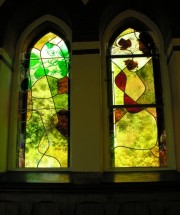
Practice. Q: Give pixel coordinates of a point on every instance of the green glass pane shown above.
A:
(36, 69)
(34, 133)
(41, 89)
(34, 60)
(61, 101)
(44, 138)
(53, 83)
(56, 59)
(147, 77)
(39, 72)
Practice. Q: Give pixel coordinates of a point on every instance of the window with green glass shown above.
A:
(43, 116)
(136, 116)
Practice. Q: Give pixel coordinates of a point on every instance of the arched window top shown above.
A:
(41, 97)
(132, 42)
(49, 56)
(137, 131)
(131, 20)
(43, 127)
(40, 27)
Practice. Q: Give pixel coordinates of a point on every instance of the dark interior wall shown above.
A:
(86, 21)
(20, 14)
(174, 12)
(88, 203)
(156, 11)
(90, 194)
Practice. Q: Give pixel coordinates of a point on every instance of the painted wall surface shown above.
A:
(85, 113)
(5, 90)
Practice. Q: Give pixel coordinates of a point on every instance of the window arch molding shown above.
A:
(46, 22)
(118, 22)
(30, 35)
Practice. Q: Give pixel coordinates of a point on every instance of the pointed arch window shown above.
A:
(43, 124)
(136, 115)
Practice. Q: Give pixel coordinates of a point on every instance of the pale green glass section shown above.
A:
(118, 95)
(44, 140)
(134, 140)
(136, 158)
(61, 101)
(139, 84)
(135, 135)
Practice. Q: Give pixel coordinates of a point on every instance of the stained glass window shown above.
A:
(137, 128)
(43, 118)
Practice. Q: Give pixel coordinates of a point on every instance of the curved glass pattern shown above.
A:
(44, 104)
(137, 129)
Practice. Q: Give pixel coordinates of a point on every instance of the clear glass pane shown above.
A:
(131, 42)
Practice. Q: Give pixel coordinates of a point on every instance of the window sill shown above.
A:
(94, 182)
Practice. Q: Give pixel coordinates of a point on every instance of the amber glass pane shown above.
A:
(43, 107)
